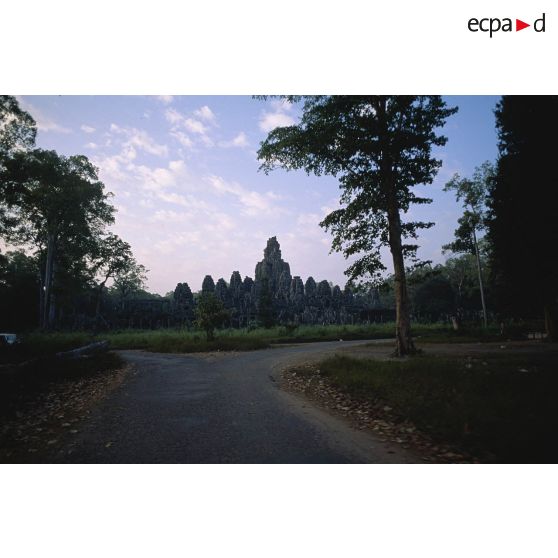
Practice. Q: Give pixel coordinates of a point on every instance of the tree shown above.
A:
(379, 147)
(131, 280)
(523, 217)
(54, 203)
(473, 193)
(17, 133)
(210, 314)
(462, 273)
(17, 128)
(113, 259)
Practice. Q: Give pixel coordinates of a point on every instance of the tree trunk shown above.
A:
(99, 298)
(49, 267)
(481, 283)
(52, 301)
(404, 341)
(41, 299)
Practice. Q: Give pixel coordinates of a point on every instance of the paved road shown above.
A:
(220, 408)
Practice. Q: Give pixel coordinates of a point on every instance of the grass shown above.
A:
(437, 333)
(238, 339)
(188, 341)
(500, 408)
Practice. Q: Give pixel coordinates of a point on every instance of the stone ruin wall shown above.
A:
(294, 302)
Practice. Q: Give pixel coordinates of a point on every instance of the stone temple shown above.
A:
(289, 299)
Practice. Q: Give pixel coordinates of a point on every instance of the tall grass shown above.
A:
(187, 341)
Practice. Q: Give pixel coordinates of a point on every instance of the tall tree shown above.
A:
(473, 193)
(523, 221)
(112, 258)
(51, 202)
(379, 147)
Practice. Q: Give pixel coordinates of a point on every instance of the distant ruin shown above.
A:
(291, 301)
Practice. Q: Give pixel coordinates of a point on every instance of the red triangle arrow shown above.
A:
(519, 25)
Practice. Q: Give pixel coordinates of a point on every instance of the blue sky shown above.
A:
(190, 199)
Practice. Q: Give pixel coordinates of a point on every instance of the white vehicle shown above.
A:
(8, 338)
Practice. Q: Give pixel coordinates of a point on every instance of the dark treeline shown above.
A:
(61, 267)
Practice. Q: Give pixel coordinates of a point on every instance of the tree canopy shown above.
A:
(379, 148)
(17, 127)
(53, 202)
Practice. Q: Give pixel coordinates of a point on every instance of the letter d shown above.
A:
(541, 21)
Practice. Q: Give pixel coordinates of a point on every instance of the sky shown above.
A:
(189, 196)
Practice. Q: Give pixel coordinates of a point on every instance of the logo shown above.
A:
(493, 25)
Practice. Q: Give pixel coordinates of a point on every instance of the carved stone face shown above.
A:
(272, 250)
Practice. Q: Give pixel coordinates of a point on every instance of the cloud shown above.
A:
(159, 178)
(271, 120)
(165, 99)
(112, 168)
(91, 145)
(278, 117)
(252, 202)
(182, 138)
(87, 129)
(205, 113)
(173, 116)
(194, 126)
(240, 140)
(170, 244)
(140, 139)
(44, 122)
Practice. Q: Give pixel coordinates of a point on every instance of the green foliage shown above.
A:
(473, 193)
(129, 281)
(210, 314)
(17, 128)
(17, 134)
(50, 194)
(379, 147)
(58, 205)
(112, 258)
(462, 273)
